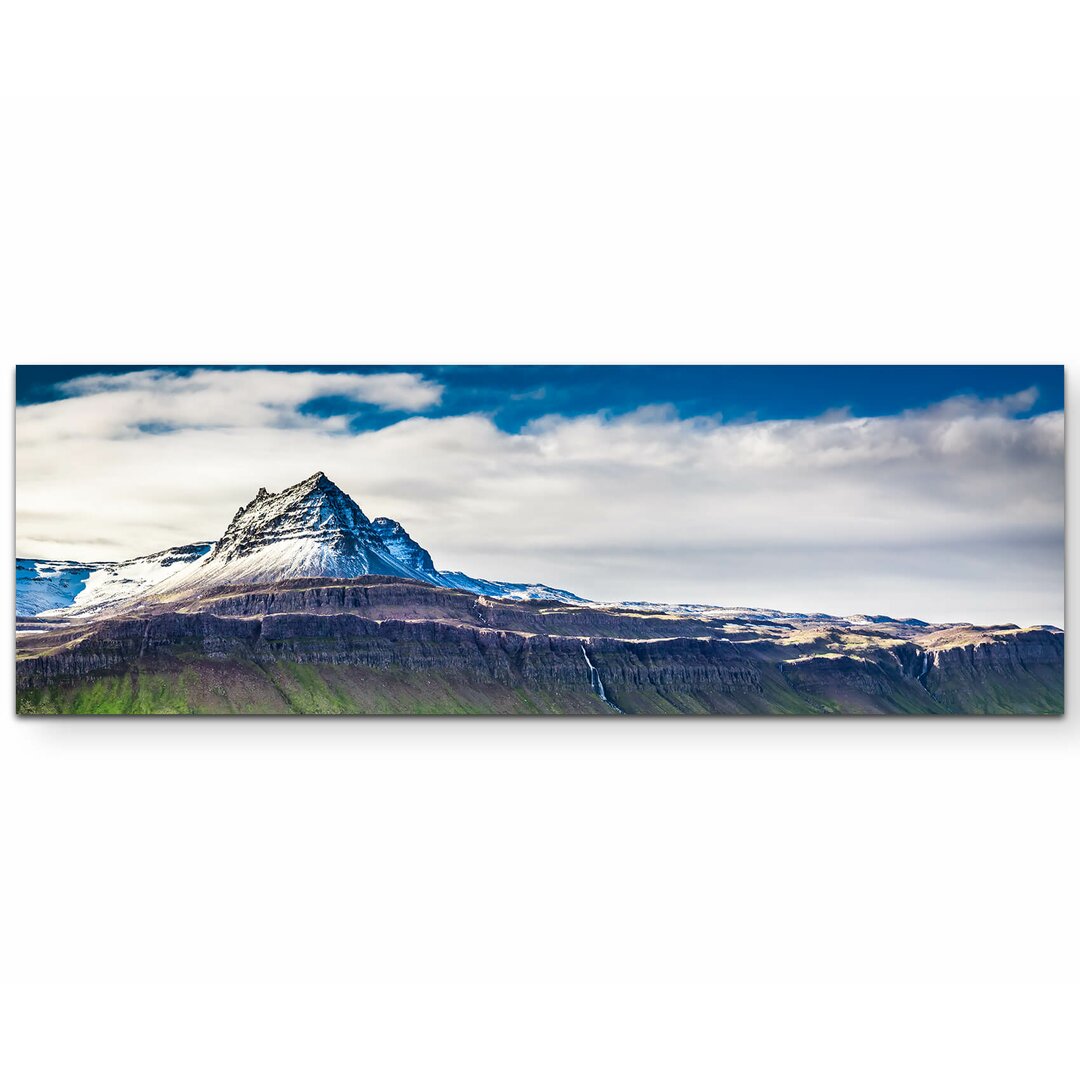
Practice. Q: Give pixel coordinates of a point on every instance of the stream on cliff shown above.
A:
(597, 683)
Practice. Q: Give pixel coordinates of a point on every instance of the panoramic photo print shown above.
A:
(519, 540)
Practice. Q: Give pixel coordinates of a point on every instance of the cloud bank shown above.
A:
(955, 511)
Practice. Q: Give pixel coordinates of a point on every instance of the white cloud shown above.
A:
(954, 511)
(120, 405)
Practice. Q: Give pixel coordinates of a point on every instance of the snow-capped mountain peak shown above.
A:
(402, 546)
(309, 530)
(315, 509)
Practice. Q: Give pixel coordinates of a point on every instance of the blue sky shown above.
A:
(513, 395)
(927, 491)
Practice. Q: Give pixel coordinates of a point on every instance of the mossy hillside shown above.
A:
(287, 687)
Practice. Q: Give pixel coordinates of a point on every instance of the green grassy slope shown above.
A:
(229, 687)
(245, 687)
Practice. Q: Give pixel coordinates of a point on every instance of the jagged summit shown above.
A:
(314, 509)
(315, 482)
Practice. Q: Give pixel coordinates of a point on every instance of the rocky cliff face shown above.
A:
(389, 641)
(991, 675)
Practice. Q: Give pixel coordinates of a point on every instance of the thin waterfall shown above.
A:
(597, 682)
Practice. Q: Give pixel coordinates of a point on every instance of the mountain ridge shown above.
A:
(388, 645)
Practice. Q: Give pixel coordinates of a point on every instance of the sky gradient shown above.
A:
(927, 491)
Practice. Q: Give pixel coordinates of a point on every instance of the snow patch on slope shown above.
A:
(111, 583)
(507, 590)
(41, 584)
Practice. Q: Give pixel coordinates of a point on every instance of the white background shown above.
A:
(518, 899)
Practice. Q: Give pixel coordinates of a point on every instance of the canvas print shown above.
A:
(520, 540)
